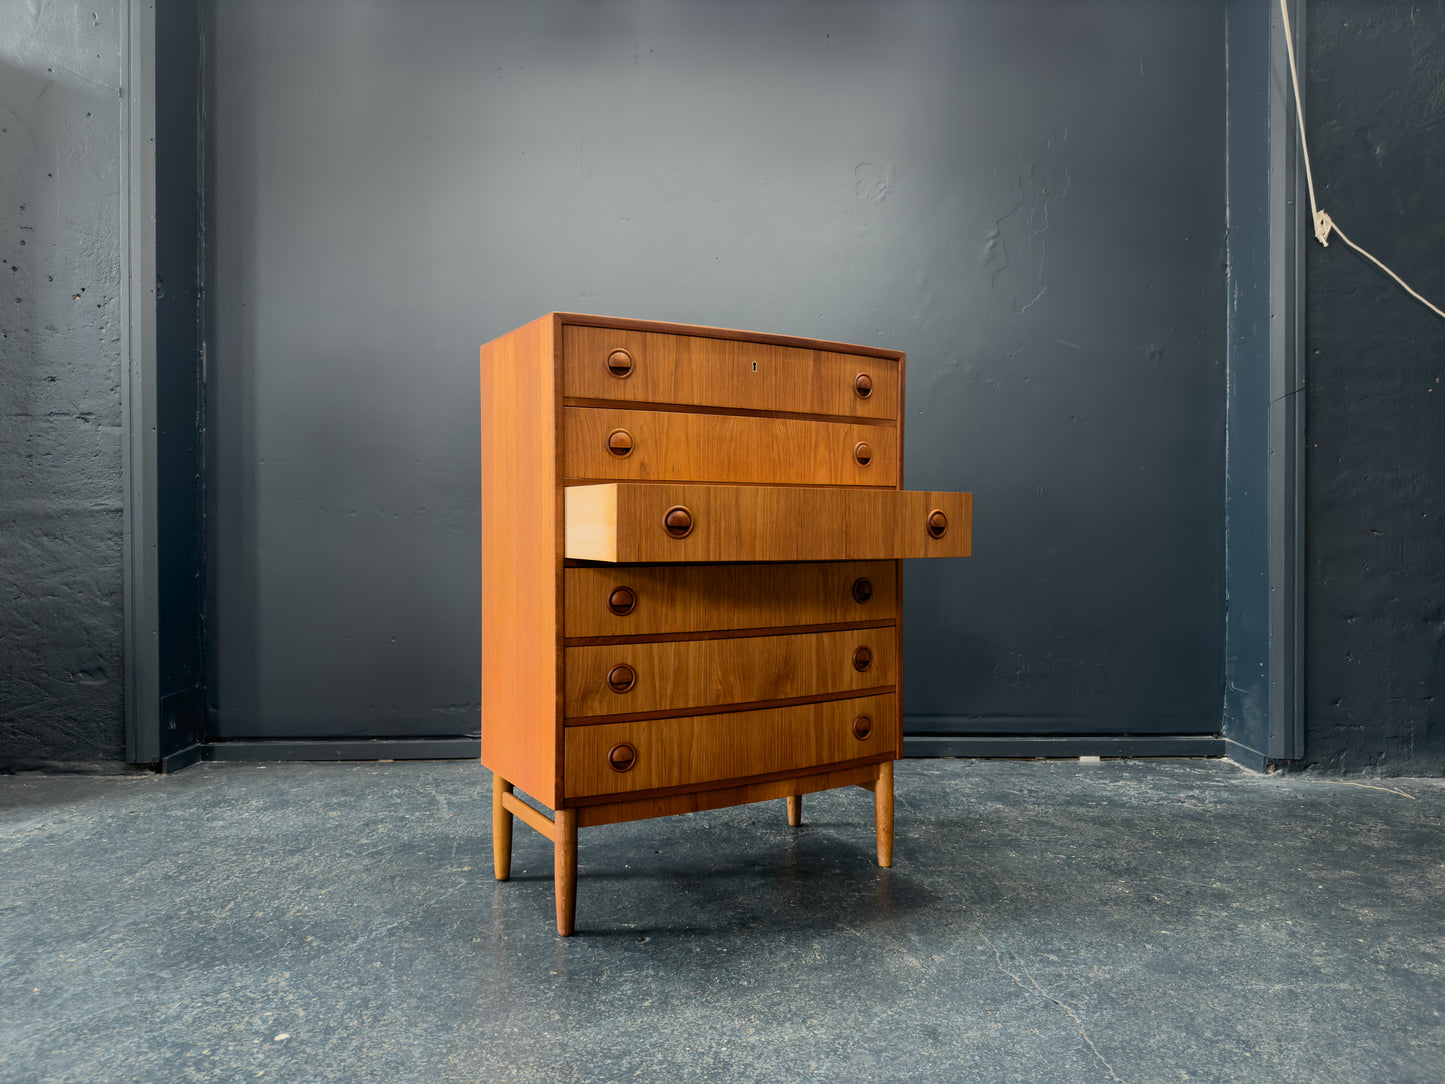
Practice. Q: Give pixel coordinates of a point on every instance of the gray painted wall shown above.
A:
(61, 686)
(179, 379)
(1375, 663)
(1246, 689)
(1028, 198)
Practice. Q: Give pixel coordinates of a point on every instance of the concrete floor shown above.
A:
(1044, 921)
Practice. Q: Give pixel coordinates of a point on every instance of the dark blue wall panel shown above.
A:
(1246, 686)
(1375, 673)
(1028, 198)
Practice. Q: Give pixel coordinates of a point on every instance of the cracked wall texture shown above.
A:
(1375, 602)
(61, 686)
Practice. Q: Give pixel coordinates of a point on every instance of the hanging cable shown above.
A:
(1322, 222)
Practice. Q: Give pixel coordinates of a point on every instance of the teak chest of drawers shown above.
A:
(691, 544)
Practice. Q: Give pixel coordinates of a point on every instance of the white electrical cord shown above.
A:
(1323, 223)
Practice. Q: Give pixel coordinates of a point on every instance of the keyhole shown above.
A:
(755, 366)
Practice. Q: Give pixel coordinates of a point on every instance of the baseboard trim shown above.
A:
(1015, 745)
(357, 749)
(1245, 757)
(183, 758)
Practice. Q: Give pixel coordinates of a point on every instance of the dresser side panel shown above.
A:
(898, 565)
(520, 563)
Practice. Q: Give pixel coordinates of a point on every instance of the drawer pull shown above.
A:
(678, 521)
(863, 385)
(937, 523)
(619, 364)
(862, 453)
(622, 601)
(623, 756)
(862, 727)
(619, 443)
(862, 589)
(621, 678)
(862, 659)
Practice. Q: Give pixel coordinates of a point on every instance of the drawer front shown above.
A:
(629, 522)
(651, 445)
(660, 753)
(655, 600)
(644, 367)
(619, 679)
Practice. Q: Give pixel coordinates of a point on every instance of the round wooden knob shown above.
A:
(862, 727)
(619, 443)
(862, 589)
(863, 385)
(623, 756)
(622, 601)
(621, 678)
(862, 453)
(678, 521)
(619, 364)
(937, 523)
(862, 659)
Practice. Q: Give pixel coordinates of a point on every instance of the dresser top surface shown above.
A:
(661, 327)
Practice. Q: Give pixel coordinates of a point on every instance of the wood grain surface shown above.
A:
(564, 870)
(719, 797)
(669, 446)
(501, 828)
(783, 482)
(736, 745)
(699, 673)
(795, 810)
(520, 570)
(677, 599)
(710, 371)
(883, 813)
(622, 522)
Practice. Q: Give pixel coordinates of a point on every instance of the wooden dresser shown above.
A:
(690, 574)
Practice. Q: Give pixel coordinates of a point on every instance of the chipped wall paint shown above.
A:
(61, 683)
(1375, 607)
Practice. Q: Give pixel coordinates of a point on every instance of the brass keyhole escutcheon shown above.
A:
(621, 678)
(622, 601)
(622, 756)
(619, 364)
(862, 727)
(937, 523)
(863, 385)
(678, 521)
(863, 453)
(862, 659)
(619, 443)
(862, 589)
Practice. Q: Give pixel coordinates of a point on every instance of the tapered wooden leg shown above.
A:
(883, 813)
(564, 867)
(795, 810)
(501, 829)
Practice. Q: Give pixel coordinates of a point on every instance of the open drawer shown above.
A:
(638, 522)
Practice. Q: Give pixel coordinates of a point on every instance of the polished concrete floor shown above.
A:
(1044, 921)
